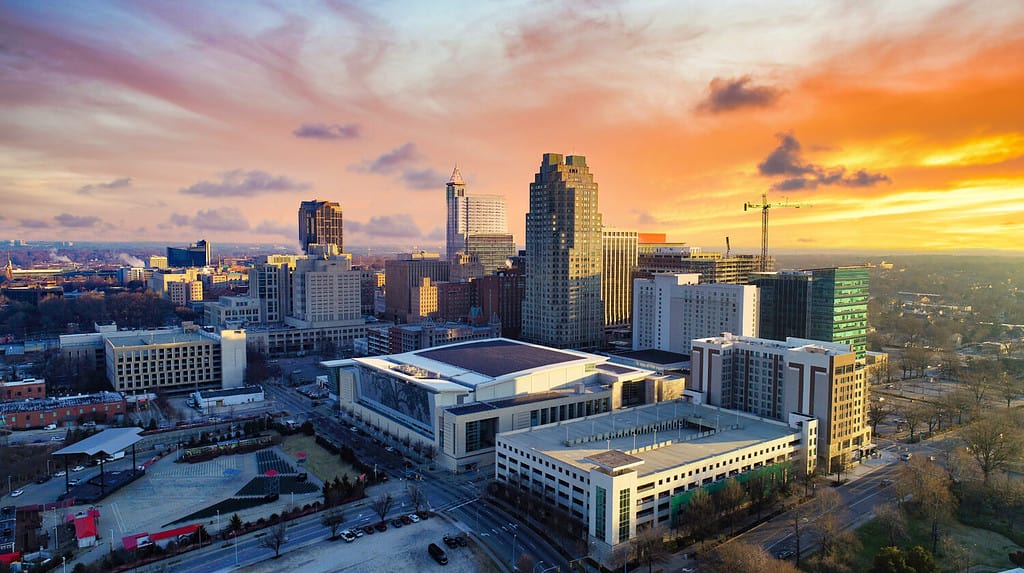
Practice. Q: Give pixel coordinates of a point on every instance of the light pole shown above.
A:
(236, 548)
(218, 521)
(539, 564)
(64, 563)
(515, 532)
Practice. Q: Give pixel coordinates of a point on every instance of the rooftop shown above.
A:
(654, 356)
(661, 436)
(498, 357)
(46, 404)
(241, 391)
(153, 338)
(107, 442)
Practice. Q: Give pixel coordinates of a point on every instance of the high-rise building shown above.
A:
(325, 293)
(476, 224)
(270, 282)
(827, 304)
(320, 223)
(563, 246)
(501, 295)
(619, 262)
(404, 274)
(669, 311)
(194, 255)
(776, 379)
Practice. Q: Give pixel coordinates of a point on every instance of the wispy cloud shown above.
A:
(426, 179)
(392, 161)
(217, 219)
(327, 131)
(239, 183)
(736, 93)
(77, 221)
(121, 183)
(392, 226)
(268, 227)
(33, 224)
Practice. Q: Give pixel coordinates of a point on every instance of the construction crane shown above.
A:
(764, 206)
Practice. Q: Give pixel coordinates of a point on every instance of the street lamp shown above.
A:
(515, 532)
(218, 521)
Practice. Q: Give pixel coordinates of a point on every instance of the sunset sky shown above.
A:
(899, 125)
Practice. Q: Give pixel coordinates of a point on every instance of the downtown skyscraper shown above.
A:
(563, 306)
(476, 225)
(320, 223)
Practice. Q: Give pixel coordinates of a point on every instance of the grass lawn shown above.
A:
(319, 461)
(986, 547)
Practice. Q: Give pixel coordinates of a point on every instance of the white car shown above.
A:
(56, 438)
(60, 474)
(415, 518)
(17, 492)
(77, 468)
(348, 536)
(74, 481)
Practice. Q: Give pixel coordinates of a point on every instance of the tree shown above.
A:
(1009, 387)
(333, 518)
(929, 493)
(920, 561)
(890, 560)
(994, 441)
(729, 499)
(893, 521)
(914, 414)
(700, 513)
(649, 545)
(739, 556)
(235, 524)
(275, 538)
(877, 413)
(382, 505)
(417, 497)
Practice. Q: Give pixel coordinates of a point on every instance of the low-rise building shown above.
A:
(632, 470)
(37, 413)
(23, 389)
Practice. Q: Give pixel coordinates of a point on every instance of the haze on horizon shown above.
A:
(901, 123)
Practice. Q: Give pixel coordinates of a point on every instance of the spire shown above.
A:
(456, 178)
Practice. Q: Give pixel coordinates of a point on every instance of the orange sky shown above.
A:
(901, 127)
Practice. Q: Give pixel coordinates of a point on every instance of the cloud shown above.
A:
(394, 226)
(239, 183)
(393, 160)
(644, 217)
(33, 224)
(732, 94)
(69, 220)
(268, 227)
(786, 160)
(130, 260)
(426, 178)
(327, 131)
(115, 184)
(219, 219)
(436, 234)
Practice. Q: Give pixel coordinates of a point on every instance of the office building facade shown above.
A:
(712, 267)
(476, 224)
(194, 255)
(404, 274)
(619, 257)
(563, 306)
(320, 223)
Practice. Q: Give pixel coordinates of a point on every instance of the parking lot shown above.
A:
(402, 549)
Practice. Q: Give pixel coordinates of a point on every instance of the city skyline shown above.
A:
(901, 124)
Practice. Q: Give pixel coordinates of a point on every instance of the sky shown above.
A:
(892, 125)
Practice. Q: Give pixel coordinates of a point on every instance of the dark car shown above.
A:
(396, 523)
(382, 527)
(437, 553)
(461, 539)
(43, 479)
(784, 554)
(368, 529)
(450, 541)
(405, 520)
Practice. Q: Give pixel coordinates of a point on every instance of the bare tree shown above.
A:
(700, 513)
(417, 497)
(333, 518)
(741, 557)
(275, 538)
(1009, 387)
(382, 505)
(649, 545)
(893, 520)
(729, 499)
(914, 414)
(878, 411)
(994, 441)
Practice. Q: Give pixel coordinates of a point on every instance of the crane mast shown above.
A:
(764, 206)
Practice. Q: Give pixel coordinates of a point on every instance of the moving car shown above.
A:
(77, 468)
(17, 492)
(43, 479)
(784, 554)
(57, 438)
(885, 482)
(74, 481)
(60, 474)
(437, 553)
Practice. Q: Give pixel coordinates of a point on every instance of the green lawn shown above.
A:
(986, 547)
(319, 461)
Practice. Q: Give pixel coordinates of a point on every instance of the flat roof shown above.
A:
(497, 357)
(242, 391)
(107, 442)
(654, 356)
(663, 435)
(132, 339)
(506, 402)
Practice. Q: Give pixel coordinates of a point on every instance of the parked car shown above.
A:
(74, 481)
(368, 529)
(437, 553)
(77, 468)
(17, 492)
(906, 456)
(462, 540)
(358, 532)
(414, 518)
(784, 554)
(450, 541)
(50, 427)
(60, 474)
(396, 523)
(43, 479)
(405, 520)
(381, 527)
(348, 536)
(57, 438)
(885, 482)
